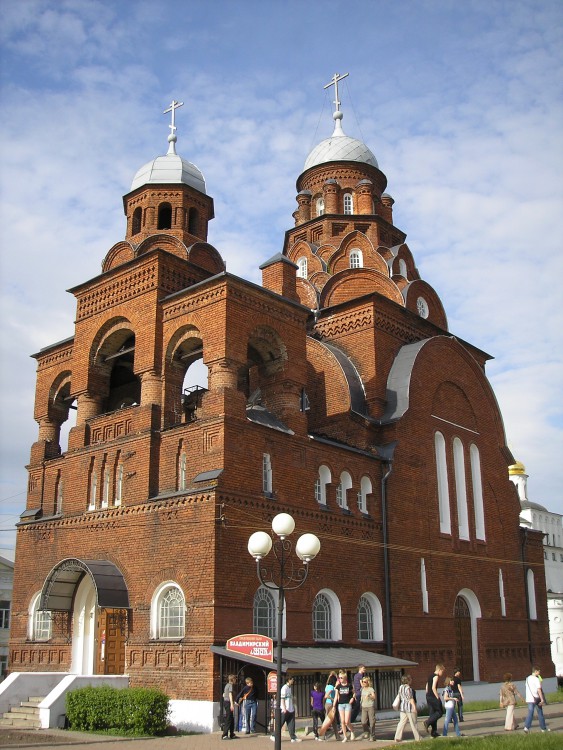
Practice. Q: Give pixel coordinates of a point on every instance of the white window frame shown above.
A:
(501, 593)
(366, 489)
(423, 585)
(333, 626)
(373, 607)
(477, 485)
(323, 479)
(320, 206)
(40, 622)
(182, 464)
(443, 484)
(106, 488)
(302, 268)
(267, 474)
(118, 486)
(356, 258)
(342, 489)
(93, 490)
(159, 601)
(461, 489)
(348, 203)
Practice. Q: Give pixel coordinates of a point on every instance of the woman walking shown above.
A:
(367, 702)
(507, 696)
(345, 699)
(407, 708)
(330, 707)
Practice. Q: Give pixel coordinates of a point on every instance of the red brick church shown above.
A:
(334, 392)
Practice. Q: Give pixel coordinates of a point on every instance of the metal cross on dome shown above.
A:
(335, 78)
(172, 108)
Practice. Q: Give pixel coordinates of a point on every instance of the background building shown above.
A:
(535, 516)
(6, 585)
(334, 391)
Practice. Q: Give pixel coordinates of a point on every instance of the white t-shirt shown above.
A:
(533, 684)
(287, 697)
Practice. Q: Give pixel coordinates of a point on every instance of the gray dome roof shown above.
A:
(340, 147)
(169, 169)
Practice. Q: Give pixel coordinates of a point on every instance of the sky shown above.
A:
(461, 101)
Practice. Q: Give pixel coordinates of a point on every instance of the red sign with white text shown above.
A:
(272, 682)
(250, 644)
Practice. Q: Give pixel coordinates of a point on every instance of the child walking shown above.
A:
(317, 707)
(449, 704)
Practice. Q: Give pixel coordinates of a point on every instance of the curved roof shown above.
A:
(340, 147)
(169, 169)
(59, 587)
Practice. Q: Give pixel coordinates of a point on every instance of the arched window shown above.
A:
(93, 489)
(501, 593)
(532, 609)
(370, 618)
(168, 612)
(477, 484)
(164, 216)
(106, 488)
(342, 490)
(443, 487)
(365, 490)
(193, 221)
(403, 267)
(302, 268)
(320, 206)
(348, 203)
(118, 485)
(461, 489)
(182, 463)
(267, 484)
(324, 478)
(136, 223)
(264, 613)
(423, 585)
(356, 259)
(40, 625)
(327, 617)
(59, 495)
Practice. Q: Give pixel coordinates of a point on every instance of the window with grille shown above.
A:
(264, 613)
(322, 618)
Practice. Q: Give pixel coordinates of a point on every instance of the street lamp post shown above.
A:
(282, 575)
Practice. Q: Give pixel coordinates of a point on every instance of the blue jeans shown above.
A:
(451, 716)
(250, 708)
(530, 716)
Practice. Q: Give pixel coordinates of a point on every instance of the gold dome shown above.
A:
(516, 469)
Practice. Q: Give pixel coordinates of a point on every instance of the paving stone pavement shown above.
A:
(476, 724)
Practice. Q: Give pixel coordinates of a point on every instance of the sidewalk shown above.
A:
(482, 723)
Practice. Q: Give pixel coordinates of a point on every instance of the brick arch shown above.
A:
(60, 389)
(356, 282)
(339, 261)
(451, 403)
(318, 280)
(120, 253)
(205, 256)
(402, 252)
(419, 288)
(166, 242)
(117, 329)
(326, 251)
(183, 333)
(327, 387)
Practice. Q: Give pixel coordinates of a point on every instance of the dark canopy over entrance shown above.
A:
(59, 587)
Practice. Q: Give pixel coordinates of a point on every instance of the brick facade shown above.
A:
(168, 486)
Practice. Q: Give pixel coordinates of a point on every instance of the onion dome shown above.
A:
(517, 469)
(340, 147)
(171, 168)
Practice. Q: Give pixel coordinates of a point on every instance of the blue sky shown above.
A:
(460, 101)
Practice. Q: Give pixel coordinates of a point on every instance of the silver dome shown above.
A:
(169, 169)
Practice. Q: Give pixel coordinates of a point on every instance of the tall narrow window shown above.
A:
(267, 474)
(264, 613)
(4, 614)
(40, 622)
(193, 221)
(59, 495)
(93, 490)
(302, 268)
(322, 619)
(443, 487)
(136, 223)
(170, 611)
(164, 216)
(423, 588)
(501, 593)
(106, 488)
(348, 203)
(532, 608)
(461, 489)
(320, 205)
(118, 485)
(323, 479)
(365, 490)
(356, 259)
(477, 484)
(342, 490)
(182, 463)
(370, 618)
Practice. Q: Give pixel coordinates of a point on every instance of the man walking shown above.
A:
(287, 710)
(433, 701)
(535, 700)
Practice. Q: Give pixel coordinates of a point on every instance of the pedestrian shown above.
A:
(433, 701)
(330, 707)
(248, 700)
(317, 707)
(458, 693)
(357, 683)
(507, 698)
(449, 704)
(345, 700)
(229, 709)
(408, 709)
(368, 700)
(535, 699)
(287, 710)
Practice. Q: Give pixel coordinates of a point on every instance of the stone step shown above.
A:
(36, 699)
(21, 723)
(22, 711)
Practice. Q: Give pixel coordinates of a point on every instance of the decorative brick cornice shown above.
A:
(116, 292)
(52, 358)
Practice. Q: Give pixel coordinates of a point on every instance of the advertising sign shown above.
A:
(272, 682)
(250, 644)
